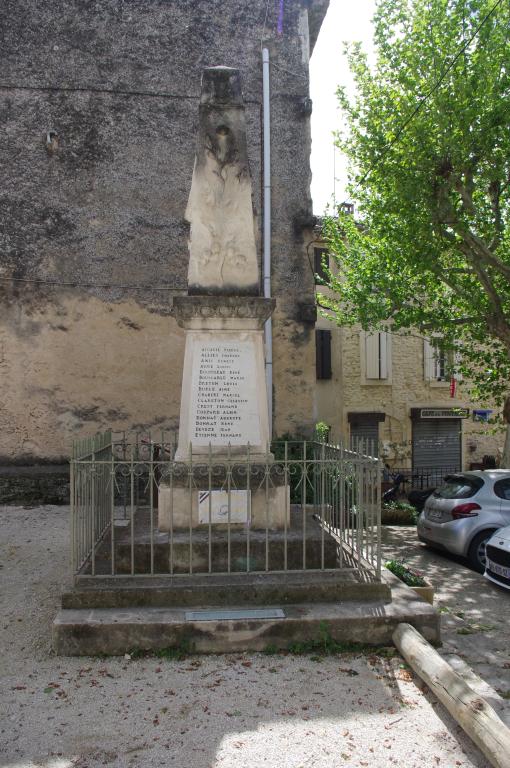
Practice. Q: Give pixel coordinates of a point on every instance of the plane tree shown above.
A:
(427, 136)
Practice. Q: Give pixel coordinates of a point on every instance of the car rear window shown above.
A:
(458, 487)
(502, 489)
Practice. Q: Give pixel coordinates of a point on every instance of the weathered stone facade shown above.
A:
(99, 113)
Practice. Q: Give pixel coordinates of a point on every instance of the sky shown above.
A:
(328, 69)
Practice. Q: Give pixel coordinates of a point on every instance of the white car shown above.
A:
(497, 558)
(463, 513)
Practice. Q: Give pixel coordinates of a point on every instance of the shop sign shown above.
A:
(444, 413)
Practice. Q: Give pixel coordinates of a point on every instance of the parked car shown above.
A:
(497, 557)
(463, 513)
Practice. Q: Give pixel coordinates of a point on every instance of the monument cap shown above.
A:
(221, 85)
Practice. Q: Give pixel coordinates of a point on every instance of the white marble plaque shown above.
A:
(217, 503)
(224, 400)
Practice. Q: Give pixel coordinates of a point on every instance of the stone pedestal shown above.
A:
(224, 418)
(223, 403)
(258, 511)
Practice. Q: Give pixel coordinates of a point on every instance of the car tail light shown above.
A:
(465, 510)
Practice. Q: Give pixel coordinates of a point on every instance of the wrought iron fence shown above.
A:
(424, 477)
(137, 511)
(91, 493)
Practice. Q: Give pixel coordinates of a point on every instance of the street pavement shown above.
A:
(475, 615)
(228, 711)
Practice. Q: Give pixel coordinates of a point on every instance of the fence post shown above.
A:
(378, 478)
(112, 509)
(151, 500)
(190, 494)
(322, 497)
(73, 525)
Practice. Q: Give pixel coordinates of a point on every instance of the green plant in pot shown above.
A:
(405, 574)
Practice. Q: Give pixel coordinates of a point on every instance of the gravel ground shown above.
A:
(203, 712)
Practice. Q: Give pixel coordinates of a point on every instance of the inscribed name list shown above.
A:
(224, 400)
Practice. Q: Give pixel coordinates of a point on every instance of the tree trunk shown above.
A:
(505, 459)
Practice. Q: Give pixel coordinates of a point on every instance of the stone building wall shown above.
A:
(98, 113)
(405, 389)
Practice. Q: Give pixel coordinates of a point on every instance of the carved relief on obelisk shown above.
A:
(223, 255)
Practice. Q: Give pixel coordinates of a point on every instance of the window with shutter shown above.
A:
(376, 355)
(437, 361)
(321, 263)
(428, 361)
(323, 354)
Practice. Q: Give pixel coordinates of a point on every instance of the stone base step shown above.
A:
(224, 589)
(112, 631)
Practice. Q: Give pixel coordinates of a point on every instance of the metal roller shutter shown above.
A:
(437, 443)
(366, 429)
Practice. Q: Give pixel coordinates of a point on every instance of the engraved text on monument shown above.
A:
(224, 402)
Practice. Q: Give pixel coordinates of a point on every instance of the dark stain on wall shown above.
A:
(87, 413)
(129, 324)
(116, 414)
(55, 223)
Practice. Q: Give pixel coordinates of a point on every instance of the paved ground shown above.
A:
(203, 712)
(475, 622)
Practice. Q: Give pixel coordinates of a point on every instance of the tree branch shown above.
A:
(456, 321)
(447, 216)
(494, 196)
(465, 192)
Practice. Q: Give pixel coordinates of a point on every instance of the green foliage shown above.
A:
(405, 574)
(270, 650)
(325, 645)
(322, 431)
(398, 513)
(294, 448)
(177, 652)
(431, 250)
(472, 629)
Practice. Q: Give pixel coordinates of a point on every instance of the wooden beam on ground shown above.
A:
(471, 711)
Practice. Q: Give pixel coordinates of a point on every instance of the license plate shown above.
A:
(499, 569)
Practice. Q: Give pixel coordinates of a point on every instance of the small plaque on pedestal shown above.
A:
(213, 507)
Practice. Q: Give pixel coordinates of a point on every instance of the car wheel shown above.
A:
(476, 551)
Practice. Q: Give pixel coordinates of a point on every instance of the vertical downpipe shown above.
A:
(73, 521)
(268, 328)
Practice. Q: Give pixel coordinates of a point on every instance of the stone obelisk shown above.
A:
(224, 411)
(223, 402)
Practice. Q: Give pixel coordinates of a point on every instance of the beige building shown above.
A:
(396, 390)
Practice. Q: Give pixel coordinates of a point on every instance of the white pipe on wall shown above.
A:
(268, 328)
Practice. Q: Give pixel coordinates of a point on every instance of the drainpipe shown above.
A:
(268, 329)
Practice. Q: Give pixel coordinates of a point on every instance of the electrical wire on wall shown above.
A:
(106, 286)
